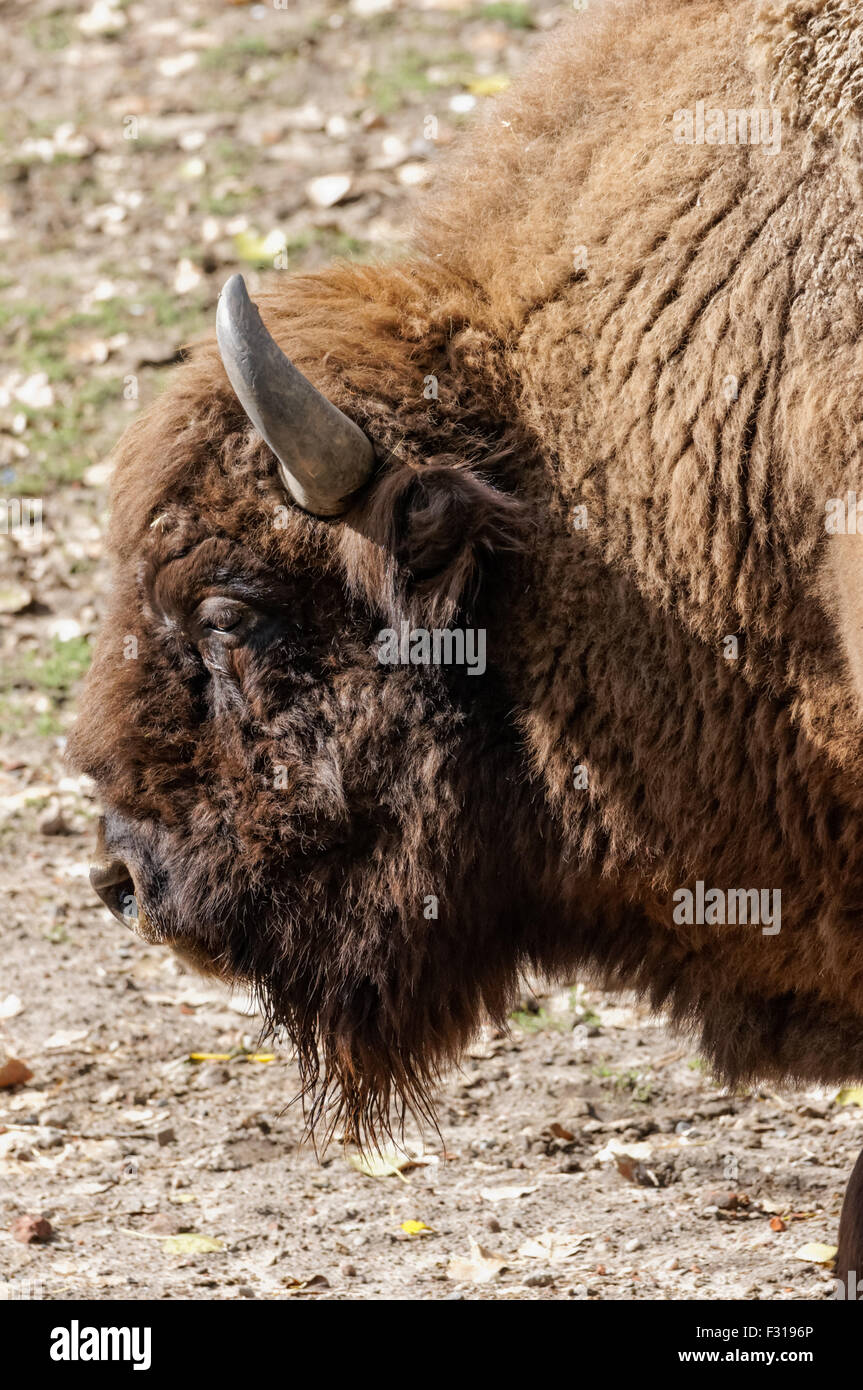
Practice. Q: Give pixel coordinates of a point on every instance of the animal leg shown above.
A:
(850, 1255)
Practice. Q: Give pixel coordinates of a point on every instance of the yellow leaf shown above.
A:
(262, 1056)
(488, 86)
(190, 1244)
(416, 1228)
(250, 246)
(816, 1253)
(850, 1095)
(209, 1056)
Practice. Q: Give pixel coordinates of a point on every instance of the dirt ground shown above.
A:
(150, 149)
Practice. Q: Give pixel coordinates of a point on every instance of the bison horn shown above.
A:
(323, 456)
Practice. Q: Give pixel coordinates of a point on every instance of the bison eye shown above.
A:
(221, 615)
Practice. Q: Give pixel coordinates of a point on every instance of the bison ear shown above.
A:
(435, 532)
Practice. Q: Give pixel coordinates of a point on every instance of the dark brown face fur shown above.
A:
(287, 807)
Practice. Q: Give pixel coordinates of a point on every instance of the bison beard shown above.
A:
(660, 340)
(375, 996)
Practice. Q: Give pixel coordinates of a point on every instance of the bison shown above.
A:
(606, 416)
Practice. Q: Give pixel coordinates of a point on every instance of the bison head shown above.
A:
(345, 836)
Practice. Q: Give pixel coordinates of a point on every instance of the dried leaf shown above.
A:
(850, 1095)
(505, 1194)
(31, 1230)
(65, 1038)
(816, 1253)
(553, 1247)
(316, 1284)
(189, 1243)
(560, 1133)
(478, 1267)
(14, 1072)
(383, 1163)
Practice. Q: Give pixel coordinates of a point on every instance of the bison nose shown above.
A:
(113, 882)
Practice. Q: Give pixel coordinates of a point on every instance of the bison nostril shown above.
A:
(113, 882)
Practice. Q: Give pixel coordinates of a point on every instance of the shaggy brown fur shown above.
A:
(584, 289)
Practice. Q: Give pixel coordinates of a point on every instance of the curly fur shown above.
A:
(583, 289)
